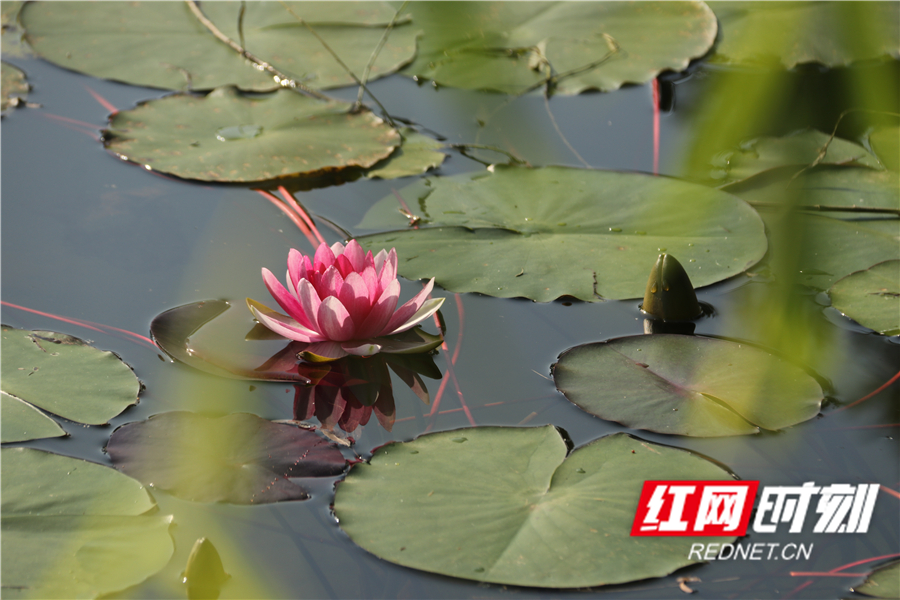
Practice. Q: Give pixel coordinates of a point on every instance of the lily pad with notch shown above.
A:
(164, 45)
(513, 506)
(511, 47)
(75, 529)
(687, 385)
(62, 375)
(871, 297)
(555, 231)
(229, 136)
(238, 458)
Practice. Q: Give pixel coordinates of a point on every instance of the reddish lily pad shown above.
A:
(239, 458)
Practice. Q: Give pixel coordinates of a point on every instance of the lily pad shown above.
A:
(800, 148)
(883, 582)
(510, 47)
(230, 136)
(551, 232)
(164, 45)
(687, 385)
(508, 506)
(14, 87)
(792, 33)
(843, 187)
(871, 297)
(239, 458)
(65, 376)
(75, 529)
(21, 421)
(418, 154)
(885, 143)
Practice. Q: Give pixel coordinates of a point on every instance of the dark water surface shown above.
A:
(87, 236)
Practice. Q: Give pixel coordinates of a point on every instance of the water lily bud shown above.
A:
(204, 574)
(670, 295)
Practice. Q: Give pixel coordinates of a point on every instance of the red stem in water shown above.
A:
(655, 90)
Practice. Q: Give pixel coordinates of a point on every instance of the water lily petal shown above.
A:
(309, 300)
(372, 283)
(381, 312)
(405, 312)
(334, 320)
(324, 258)
(355, 254)
(388, 269)
(429, 308)
(330, 283)
(355, 297)
(323, 352)
(298, 267)
(344, 266)
(285, 300)
(378, 260)
(281, 324)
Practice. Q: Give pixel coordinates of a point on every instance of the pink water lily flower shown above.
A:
(344, 302)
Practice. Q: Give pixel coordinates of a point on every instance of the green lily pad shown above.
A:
(883, 582)
(12, 43)
(14, 87)
(163, 45)
(885, 143)
(239, 458)
(508, 506)
(75, 529)
(418, 154)
(844, 187)
(871, 297)
(687, 385)
(511, 46)
(229, 136)
(792, 33)
(555, 231)
(65, 376)
(21, 421)
(800, 148)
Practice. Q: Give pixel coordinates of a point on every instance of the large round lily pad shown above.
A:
(507, 505)
(239, 458)
(551, 232)
(791, 33)
(871, 297)
(75, 529)
(230, 136)
(687, 385)
(162, 44)
(511, 46)
(65, 376)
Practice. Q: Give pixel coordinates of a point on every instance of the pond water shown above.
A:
(90, 237)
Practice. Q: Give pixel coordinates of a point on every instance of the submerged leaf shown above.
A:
(871, 297)
(550, 232)
(239, 458)
(75, 529)
(687, 385)
(163, 45)
(230, 136)
(511, 46)
(506, 505)
(65, 376)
